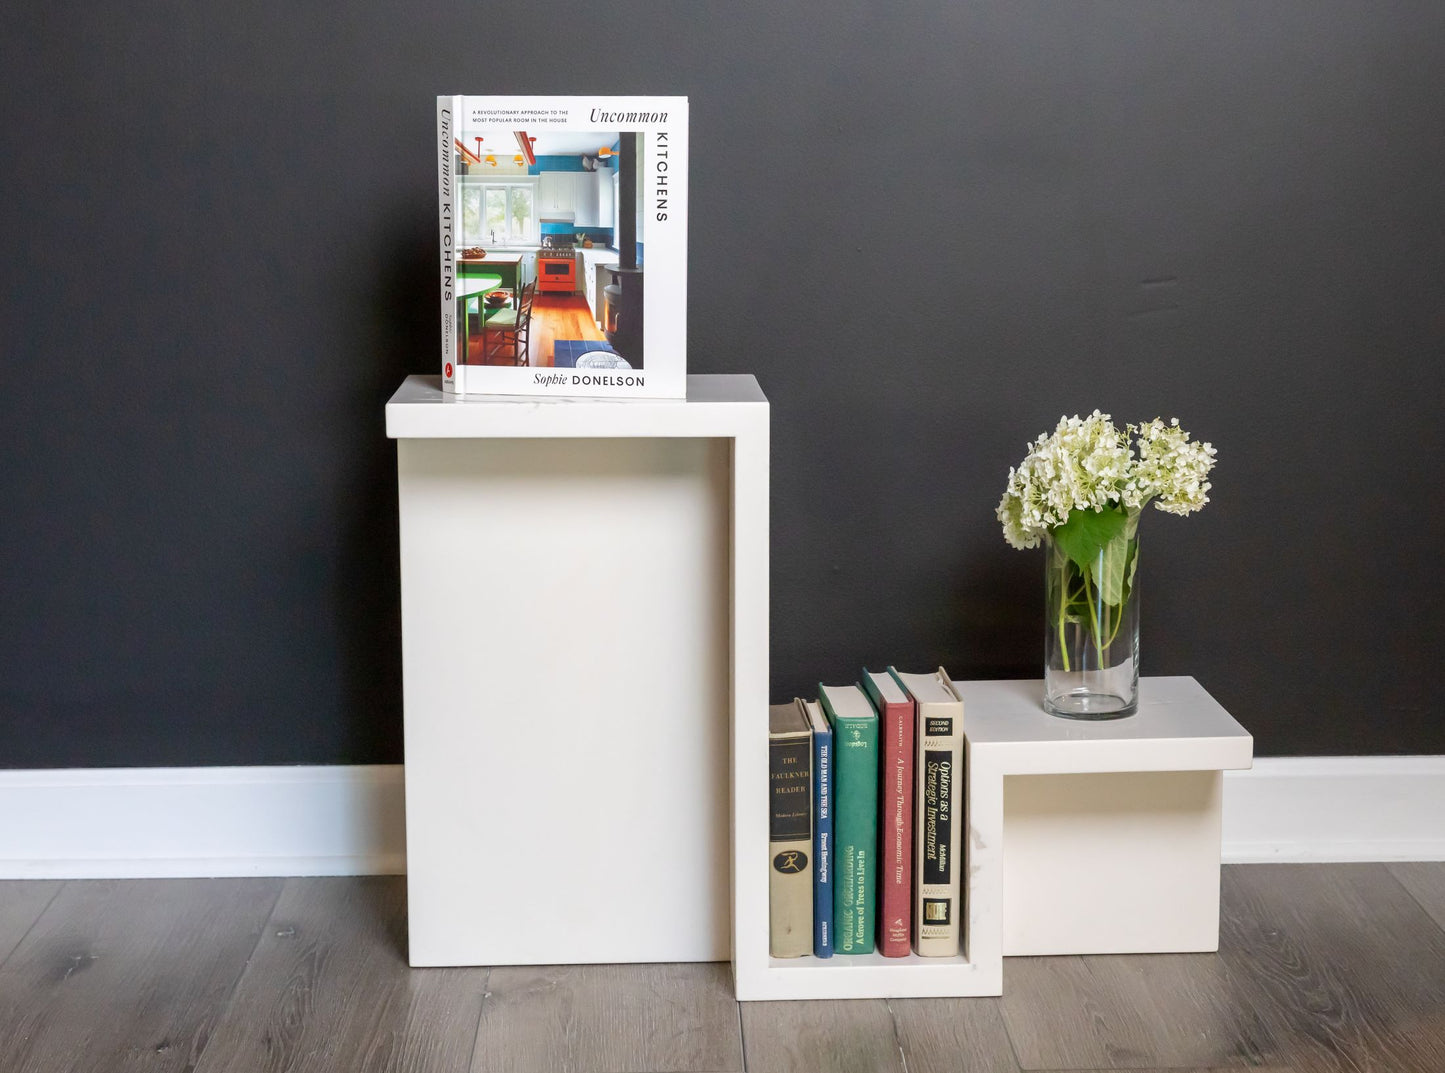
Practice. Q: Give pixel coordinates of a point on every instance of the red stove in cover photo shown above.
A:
(557, 265)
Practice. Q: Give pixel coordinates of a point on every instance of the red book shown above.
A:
(895, 812)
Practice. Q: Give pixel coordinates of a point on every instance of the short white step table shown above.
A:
(1083, 838)
(584, 591)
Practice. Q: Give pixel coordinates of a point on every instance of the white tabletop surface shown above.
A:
(717, 405)
(1179, 727)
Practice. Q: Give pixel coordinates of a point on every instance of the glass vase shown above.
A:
(1091, 629)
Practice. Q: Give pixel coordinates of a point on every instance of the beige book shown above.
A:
(790, 831)
(939, 823)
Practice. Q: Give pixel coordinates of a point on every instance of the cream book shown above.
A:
(790, 830)
(938, 799)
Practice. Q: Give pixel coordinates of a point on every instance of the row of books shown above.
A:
(866, 802)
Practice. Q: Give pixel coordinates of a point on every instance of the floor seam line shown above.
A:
(34, 923)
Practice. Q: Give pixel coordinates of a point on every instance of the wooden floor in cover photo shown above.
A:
(554, 317)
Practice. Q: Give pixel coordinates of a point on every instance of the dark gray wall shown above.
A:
(929, 229)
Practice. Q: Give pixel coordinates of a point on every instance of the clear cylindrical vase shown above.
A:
(1091, 630)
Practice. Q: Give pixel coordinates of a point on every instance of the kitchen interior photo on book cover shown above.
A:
(529, 201)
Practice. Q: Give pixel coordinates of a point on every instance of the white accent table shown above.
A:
(1083, 837)
(584, 589)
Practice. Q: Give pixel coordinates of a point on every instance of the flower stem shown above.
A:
(1118, 621)
(1064, 600)
(1097, 608)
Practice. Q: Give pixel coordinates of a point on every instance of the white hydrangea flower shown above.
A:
(1087, 464)
(1172, 467)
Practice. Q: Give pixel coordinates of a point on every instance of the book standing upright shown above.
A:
(855, 815)
(895, 812)
(938, 896)
(790, 830)
(822, 830)
(513, 173)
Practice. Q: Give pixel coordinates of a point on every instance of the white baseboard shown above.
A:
(117, 823)
(293, 821)
(1336, 808)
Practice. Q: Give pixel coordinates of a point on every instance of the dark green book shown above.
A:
(855, 816)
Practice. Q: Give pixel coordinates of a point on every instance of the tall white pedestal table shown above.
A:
(584, 609)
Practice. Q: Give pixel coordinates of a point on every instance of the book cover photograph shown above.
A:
(563, 245)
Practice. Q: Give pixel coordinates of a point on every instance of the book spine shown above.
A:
(895, 878)
(855, 824)
(823, 843)
(937, 905)
(447, 201)
(790, 839)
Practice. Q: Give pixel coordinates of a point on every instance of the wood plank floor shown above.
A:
(554, 317)
(1321, 969)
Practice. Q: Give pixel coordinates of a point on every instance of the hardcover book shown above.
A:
(938, 896)
(822, 830)
(855, 816)
(895, 812)
(525, 185)
(790, 831)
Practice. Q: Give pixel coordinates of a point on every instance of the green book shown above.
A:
(855, 815)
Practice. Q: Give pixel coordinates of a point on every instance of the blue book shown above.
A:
(822, 831)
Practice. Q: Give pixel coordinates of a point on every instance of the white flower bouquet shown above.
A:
(1080, 490)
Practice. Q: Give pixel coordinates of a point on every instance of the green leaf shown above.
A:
(1108, 570)
(1087, 532)
(1133, 563)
